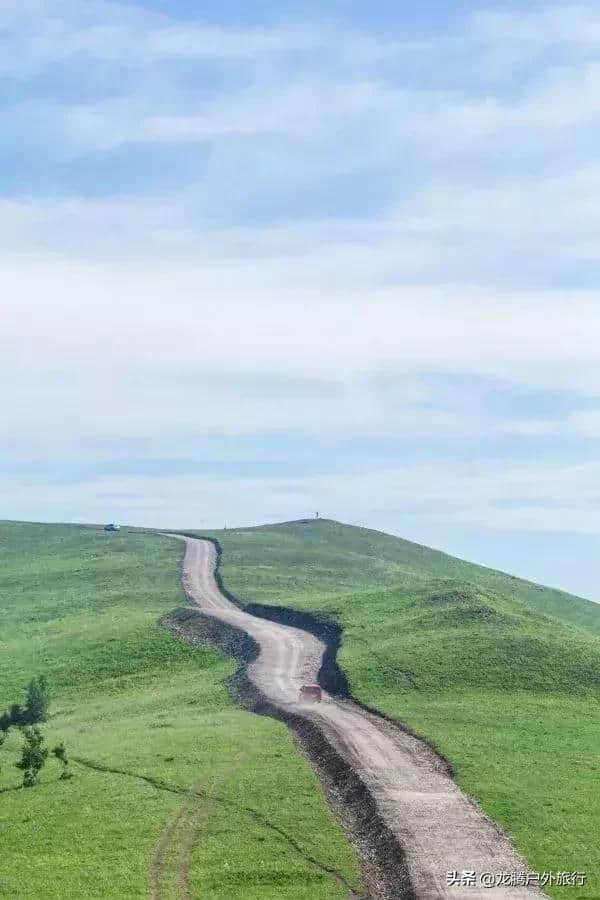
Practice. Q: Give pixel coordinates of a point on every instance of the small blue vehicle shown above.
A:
(112, 527)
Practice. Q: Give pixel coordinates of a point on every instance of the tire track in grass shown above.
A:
(170, 862)
(157, 862)
(189, 840)
(255, 814)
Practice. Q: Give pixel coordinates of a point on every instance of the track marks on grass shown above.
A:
(167, 839)
(157, 862)
(170, 862)
(189, 839)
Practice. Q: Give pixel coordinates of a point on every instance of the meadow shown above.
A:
(502, 675)
(175, 792)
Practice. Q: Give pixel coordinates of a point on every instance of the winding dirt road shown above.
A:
(440, 829)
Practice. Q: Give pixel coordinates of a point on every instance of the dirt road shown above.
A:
(439, 828)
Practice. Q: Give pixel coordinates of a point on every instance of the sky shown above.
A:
(262, 260)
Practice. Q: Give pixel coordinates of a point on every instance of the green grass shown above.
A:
(82, 607)
(501, 674)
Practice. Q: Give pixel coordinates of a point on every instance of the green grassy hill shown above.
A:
(501, 674)
(173, 784)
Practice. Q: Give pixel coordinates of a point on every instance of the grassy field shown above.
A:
(175, 788)
(501, 674)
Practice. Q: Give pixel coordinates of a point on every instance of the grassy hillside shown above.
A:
(503, 675)
(174, 785)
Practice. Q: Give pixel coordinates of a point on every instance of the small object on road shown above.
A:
(310, 693)
(112, 527)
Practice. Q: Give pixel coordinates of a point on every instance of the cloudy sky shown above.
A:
(262, 259)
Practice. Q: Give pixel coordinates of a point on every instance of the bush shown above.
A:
(60, 752)
(33, 756)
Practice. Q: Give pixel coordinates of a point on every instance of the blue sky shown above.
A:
(263, 259)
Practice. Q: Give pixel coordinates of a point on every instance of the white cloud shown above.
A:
(313, 82)
(531, 427)
(235, 316)
(585, 422)
(552, 25)
(49, 31)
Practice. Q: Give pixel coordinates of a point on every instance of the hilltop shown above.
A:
(360, 557)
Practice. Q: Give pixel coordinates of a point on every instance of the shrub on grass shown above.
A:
(33, 755)
(60, 752)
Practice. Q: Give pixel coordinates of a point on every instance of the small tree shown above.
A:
(33, 756)
(38, 701)
(60, 752)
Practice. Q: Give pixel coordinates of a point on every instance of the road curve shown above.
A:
(440, 829)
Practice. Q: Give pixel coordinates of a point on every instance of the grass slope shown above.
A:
(501, 674)
(156, 736)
